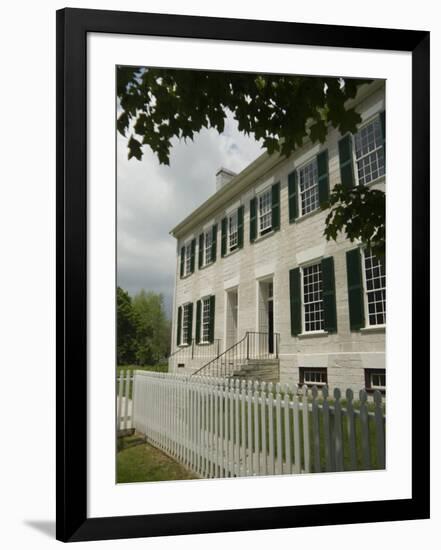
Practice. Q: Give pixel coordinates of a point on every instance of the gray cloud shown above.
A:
(153, 198)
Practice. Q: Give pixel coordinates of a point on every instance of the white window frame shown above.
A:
(316, 370)
(381, 372)
(233, 217)
(365, 123)
(268, 213)
(315, 187)
(366, 292)
(302, 288)
(205, 319)
(182, 339)
(187, 258)
(208, 238)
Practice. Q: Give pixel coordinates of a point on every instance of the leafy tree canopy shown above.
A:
(158, 105)
(280, 110)
(361, 212)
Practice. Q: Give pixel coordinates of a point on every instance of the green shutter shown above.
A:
(193, 254)
(212, 315)
(355, 289)
(214, 243)
(293, 203)
(383, 134)
(182, 260)
(323, 177)
(198, 321)
(329, 305)
(295, 301)
(275, 204)
(224, 237)
(240, 227)
(253, 219)
(190, 324)
(346, 161)
(179, 326)
(201, 250)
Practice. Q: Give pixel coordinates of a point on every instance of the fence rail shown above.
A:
(124, 400)
(231, 428)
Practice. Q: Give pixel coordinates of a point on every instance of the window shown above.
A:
(265, 212)
(375, 379)
(208, 242)
(313, 311)
(369, 152)
(205, 321)
(187, 261)
(233, 233)
(375, 289)
(186, 327)
(313, 376)
(308, 186)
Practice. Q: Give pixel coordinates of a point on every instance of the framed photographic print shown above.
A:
(224, 191)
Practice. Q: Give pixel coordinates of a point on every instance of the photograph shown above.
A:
(251, 274)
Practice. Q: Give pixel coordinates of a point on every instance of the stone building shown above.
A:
(261, 293)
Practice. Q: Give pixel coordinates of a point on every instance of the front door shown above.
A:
(270, 319)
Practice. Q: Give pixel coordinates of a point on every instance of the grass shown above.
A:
(137, 461)
(160, 367)
(317, 445)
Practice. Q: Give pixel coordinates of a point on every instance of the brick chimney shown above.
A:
(223, 176)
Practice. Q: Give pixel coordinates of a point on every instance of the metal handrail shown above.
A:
(219, 357)
(249, 347)
(188, 347)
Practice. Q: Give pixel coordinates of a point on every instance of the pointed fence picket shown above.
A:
(124, 400)
(230, 428)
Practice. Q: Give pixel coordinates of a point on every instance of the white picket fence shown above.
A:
(124, 400)
(231, 428)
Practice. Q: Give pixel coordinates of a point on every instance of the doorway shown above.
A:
(270, 319)
(266, 318)
(232, 314)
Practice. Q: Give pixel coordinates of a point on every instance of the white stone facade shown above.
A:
(345, 353)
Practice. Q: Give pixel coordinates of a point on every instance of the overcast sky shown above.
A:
(153, 198)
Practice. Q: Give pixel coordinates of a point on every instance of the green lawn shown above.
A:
(160, 367)
(243, 436)
(138, 461)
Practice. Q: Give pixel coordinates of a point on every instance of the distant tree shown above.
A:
(153, 334)
(158, 105)
(127, 328)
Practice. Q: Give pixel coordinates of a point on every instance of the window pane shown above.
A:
(187, 258)
(369, 152)
(308, 182)
(313, 298)
(375, 275)
(233, 232)
(205, 319)
(314, 376)
(185, 324)
(265, 214)
(377, 379)
(208, 240)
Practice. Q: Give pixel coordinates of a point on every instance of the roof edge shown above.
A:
(255, 169)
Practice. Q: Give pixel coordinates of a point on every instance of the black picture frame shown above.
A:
(73, 25)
